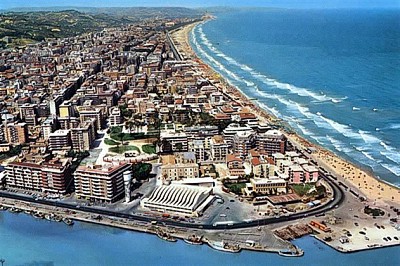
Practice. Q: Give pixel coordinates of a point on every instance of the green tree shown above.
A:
(121, 137)
(129, 125)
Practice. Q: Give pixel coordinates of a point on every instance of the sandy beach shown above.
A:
(368, 185)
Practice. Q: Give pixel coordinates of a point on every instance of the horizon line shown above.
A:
(197, 7)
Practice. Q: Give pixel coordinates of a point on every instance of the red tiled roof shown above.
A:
(254, 153)
(221, 116)
(247, 116)
(232, 158)
(255, 161)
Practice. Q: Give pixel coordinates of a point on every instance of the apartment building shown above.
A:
(16, 133)
(82, 137)
(115, 117)
(60, 140)
(243, 141)
(272, 141)
(218, 149)
(46, 176)
(103, 183)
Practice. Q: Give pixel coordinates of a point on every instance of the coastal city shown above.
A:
(128, 127)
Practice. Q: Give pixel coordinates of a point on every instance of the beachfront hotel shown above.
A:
(272, 141)
(101, 182)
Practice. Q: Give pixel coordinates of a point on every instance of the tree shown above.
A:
(129, 125)
(141, 171)
(121, 137)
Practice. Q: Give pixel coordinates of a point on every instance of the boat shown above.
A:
(194, 240)
(224, 246)
(38, 215)
(356, 109)
(291, 252)
(374, 109)
(28, 212)
(335, 100)
(15, 210)
(68, 221)
(166, 236)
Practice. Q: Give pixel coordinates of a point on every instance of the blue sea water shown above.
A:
(27, 241)
(333, 75)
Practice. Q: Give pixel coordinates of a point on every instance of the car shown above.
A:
(396, 238)
(362, 232)
(228, 208)
(222, 215)
(232, 200)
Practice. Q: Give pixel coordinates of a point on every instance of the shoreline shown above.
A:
(208, 237)
(347, 171)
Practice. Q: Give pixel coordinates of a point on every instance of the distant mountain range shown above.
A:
(137, 12)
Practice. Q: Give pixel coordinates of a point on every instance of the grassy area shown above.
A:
(235, 187)
(302, 189)
(124, 148)
(149, 149)
(131, 136)
(12, 152)
(111, 142)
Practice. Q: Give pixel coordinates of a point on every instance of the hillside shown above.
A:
(33, 26)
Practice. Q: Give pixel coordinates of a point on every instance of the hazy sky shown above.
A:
(199, 3)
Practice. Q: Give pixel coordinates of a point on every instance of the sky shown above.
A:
(5, 4)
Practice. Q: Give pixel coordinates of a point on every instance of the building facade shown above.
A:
(101, 183)
(51, 176)
(16, 133)
(60, 140)
(272, 141)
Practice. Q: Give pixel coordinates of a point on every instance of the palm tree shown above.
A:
(129, 124)
(121, 137)
(137, 124)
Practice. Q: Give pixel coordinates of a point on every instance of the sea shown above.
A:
(27, 241)
(332, 75)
